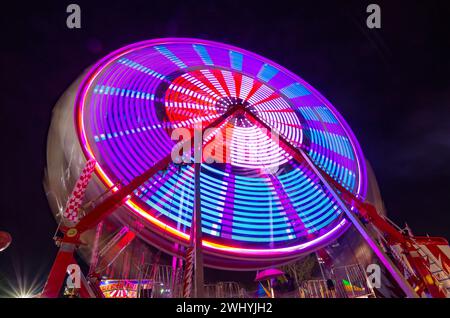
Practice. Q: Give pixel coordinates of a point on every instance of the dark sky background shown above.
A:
(391, 85)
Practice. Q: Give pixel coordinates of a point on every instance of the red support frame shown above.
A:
(59, 270)
(71, 238)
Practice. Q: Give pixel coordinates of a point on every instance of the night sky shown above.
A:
(391, 85)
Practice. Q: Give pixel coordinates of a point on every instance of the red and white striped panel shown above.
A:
(76, 198)
(188, 273)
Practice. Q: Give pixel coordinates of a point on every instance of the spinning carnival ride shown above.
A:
(283, 158)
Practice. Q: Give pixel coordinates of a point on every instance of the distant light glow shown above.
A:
(22, 288)
(25, 295)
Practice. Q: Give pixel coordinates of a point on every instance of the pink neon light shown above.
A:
(81, 99)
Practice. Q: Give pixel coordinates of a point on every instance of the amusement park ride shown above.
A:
(182, 82)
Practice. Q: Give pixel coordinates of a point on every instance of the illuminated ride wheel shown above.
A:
(260, 207)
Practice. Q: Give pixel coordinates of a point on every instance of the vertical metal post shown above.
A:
(95, 249)
(138, 289)
(320, 266)
(197, 235)
(349, 281)
(173, 280)
(58, 272)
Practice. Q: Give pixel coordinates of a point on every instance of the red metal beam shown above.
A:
(114, 201)
(116, 250)
(59, 270)
(111, 203)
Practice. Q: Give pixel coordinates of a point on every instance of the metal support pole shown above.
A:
(174, 269)
(95, 249)
(59, 270)
(299, 155)
(320, 266)
(197, 220)
(86, 290)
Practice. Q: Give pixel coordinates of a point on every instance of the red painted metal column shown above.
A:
(59, 270)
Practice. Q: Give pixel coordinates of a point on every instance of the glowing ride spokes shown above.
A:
(250, 88)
